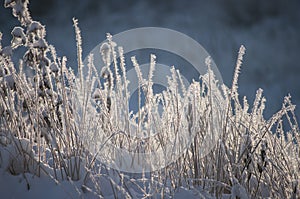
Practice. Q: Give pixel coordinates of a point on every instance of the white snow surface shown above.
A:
(42, 187)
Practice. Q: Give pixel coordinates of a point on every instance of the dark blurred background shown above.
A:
(270, 31)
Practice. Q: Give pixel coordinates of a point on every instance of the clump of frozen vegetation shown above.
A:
(44, 108)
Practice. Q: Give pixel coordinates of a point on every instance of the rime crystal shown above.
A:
(105, 53)
(237, 71)
(20, 10)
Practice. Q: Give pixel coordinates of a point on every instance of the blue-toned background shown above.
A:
(270, 30)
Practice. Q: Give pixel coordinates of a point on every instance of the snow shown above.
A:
(43, 187)
(34, 27)
(54, 68)
(18, 32)
(41, 43)
(7, 51)
(10, 82)
(19, 37)
(239, 192)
